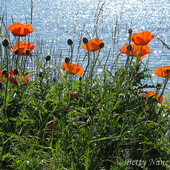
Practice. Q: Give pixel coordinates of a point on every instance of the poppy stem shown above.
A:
(71, 53)
(95, 60)
(18, 52)
(127, 61)
(6, 84)
(88, 60)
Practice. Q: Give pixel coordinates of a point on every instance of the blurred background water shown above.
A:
(56, 21)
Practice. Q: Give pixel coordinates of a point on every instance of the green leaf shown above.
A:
(57, 69)
(41, 66)
(87, 159)
(28, 72)
(5, 156)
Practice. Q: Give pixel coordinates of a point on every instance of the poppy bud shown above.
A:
(6, 75)
(48, 57)
(101, 45)
(0, 84)
(40, 74)
(168, 71)
(5, 42)
(129, 47)
(27, 52)
(80, 78)
(54, 80)
(15, 71)
(85, 40)
(130, 31)
(67, 60)
(4, 71)
(69, 41)
(158, 86)
(16, 52)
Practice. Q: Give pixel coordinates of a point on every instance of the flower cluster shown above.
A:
(21, 30)
(153, 93)
(92, 45)
(136, 51)
(21, 49)
(139, 48)
(12, 77)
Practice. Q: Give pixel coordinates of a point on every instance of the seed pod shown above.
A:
(5, 42)
(54, 80)
(6, 75)
(48, 57)
(27, 52)
(4, 71)
(67, 60)
(80, 78)
(15, 71)
(129, 47)
(85, 40)
(130, 31)
(158, 86)
(101, 45)
(168, 71)
(40, 74)
(69, 41)
(16, 52)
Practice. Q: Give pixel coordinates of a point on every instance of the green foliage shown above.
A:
(107, 120)
(166, 104)
(104, 125)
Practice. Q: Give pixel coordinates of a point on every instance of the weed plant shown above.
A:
(104, 124)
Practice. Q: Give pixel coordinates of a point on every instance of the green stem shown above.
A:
(167, 78)
(88, 61)
(6, 84)
(18, 53)
(71, 53)
(127, 61)
(95, 60)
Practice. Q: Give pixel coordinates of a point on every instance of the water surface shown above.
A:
(56, 21)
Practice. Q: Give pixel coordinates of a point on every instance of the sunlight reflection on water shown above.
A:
(57, 20)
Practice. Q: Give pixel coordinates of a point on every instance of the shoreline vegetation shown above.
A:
(76, 119)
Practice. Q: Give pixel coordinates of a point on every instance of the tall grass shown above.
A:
(106, 126)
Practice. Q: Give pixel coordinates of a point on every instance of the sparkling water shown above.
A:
(56, 21)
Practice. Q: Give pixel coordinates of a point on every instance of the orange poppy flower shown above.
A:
(2, 76)
(150, 93)
(162, 71)
(12, 79)
(93, 45)
(22, 48)
(72, 69)
(142, 38)
(136, 50)
(72, 95)
(18, 29)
